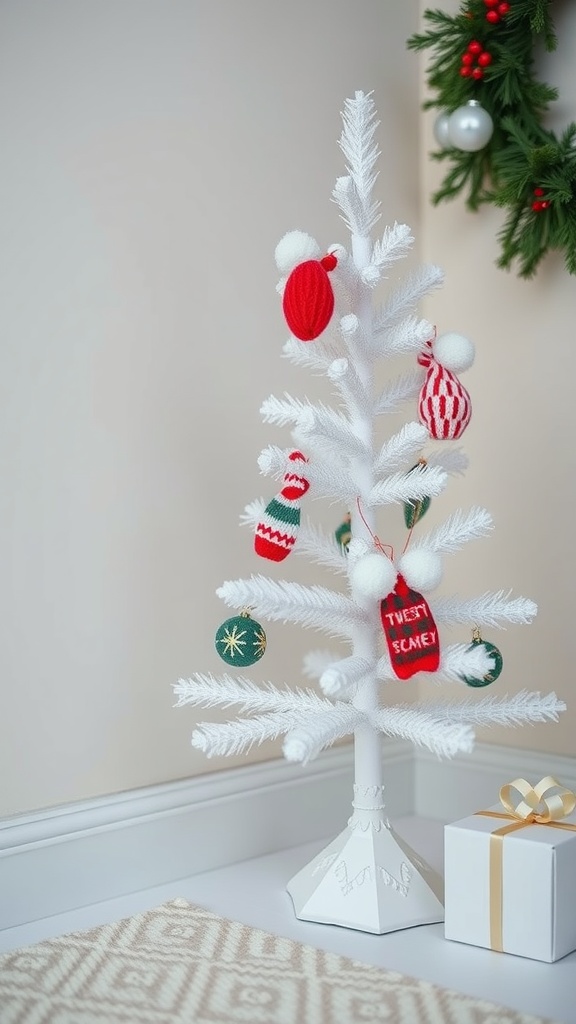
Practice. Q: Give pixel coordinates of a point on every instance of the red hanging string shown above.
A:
(378, 543)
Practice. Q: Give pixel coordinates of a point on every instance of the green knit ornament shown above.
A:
(240, 641)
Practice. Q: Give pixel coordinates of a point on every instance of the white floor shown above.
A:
(254, 892)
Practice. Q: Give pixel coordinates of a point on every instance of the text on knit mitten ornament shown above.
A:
(410, 631)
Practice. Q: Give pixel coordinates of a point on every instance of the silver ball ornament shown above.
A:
(470, 127)
(440, 130)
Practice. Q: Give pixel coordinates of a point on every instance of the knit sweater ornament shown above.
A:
(410, 631)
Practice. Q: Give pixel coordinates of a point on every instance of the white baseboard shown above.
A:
(67, 857)
(82, 853)
(449, 790)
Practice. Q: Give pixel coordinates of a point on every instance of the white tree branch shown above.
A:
(490, 609)
(400, 447)
(406, 297)
(313, 607)
(398, 391)
(409, 722)
(403, 338)
(356, 397)
(452, 460)
(221, 739)
(208, 691)
(341, 677)
(457, 530)
(422, 482)
(499, 710)
(305, 742)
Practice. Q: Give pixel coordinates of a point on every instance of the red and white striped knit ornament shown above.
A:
(277, 530)
(444, 405)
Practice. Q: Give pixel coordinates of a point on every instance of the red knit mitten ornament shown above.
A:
(444, 404)
(410, 631)
(277, 531)
(308, 300)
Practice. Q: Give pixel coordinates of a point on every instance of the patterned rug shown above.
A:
(179, 964)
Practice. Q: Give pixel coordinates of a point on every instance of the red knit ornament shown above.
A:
(308, 300)
(444, 404)
(410, 631)
(277, 530)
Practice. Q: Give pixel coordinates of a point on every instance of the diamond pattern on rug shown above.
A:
(180, 964)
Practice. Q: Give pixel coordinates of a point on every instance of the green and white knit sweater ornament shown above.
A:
(278, 528)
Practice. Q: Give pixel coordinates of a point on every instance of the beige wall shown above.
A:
(153, 152)
(521, 438)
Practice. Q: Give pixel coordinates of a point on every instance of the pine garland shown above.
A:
(524, 169)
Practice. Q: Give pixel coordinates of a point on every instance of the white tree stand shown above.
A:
(368, 878)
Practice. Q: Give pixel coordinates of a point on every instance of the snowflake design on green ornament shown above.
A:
(240, 641)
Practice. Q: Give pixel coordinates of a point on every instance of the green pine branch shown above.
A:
(524, 169)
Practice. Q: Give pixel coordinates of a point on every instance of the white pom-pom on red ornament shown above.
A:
(453, 351)
(373, 576)
(422, 569)
(293, 248)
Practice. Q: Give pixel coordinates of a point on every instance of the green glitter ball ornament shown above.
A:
(494, 653)
(240, 641)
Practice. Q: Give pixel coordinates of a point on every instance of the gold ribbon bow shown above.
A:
(535, 808)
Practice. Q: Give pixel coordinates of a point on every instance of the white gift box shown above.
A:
(515, 892)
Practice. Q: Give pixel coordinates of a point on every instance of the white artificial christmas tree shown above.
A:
(367, 878)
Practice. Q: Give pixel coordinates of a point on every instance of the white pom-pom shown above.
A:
(421, 569)
(295, 749)
(454, 351)
(338, 251)
(338, 369)
(373, 576)
(349, 324)
(295, 247)
(371, 275)
(333, 685)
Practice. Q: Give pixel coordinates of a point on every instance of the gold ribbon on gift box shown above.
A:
(536, 808)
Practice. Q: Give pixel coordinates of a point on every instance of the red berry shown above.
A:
(475, 47)
(544, 204)
(538, 191)
(467, 58)
(477, 73)
(485, 59)
(537, 206)
(491, 3)
(503, 8)
(465, 71)
(493, 17)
